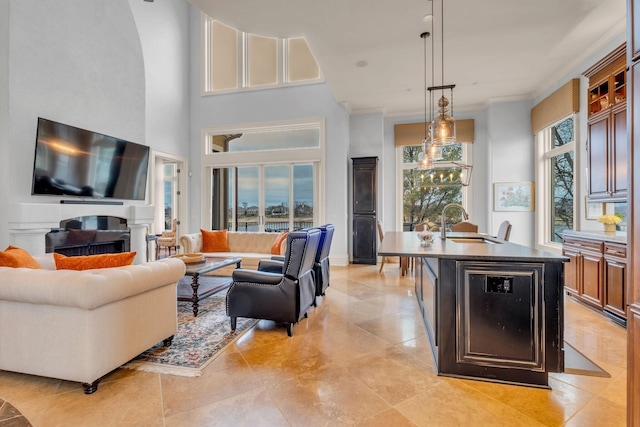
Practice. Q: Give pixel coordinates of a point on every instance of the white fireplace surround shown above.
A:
(29, 222)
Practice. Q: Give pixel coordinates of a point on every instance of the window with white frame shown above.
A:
(555, 147)
(235, 60)
(263, 178)
(426, 192)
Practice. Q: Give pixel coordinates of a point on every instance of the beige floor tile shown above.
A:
(600, 412)
(395, 328)
(549, 407)
(285, 360)
(388, 418)
(327, 396)
(449, 404)
(344, 345)
(394, 375)
(253, 408)
(132, 401)
(419, 348)
(361, 358)
(227, 376)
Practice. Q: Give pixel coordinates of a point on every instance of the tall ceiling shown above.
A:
(493, 49)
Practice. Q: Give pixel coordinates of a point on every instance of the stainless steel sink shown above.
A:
(473, 240)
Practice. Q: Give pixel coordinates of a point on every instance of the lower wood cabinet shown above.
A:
(595, 274)
(615, 265)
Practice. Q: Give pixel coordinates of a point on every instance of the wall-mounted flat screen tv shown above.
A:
(70, 161)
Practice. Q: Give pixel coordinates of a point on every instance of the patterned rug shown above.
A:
(197, 342)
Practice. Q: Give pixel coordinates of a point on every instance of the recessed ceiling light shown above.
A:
(362, 63)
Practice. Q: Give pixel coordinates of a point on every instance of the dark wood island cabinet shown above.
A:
(493, 310)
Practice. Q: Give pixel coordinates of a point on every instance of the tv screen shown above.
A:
(76, 162)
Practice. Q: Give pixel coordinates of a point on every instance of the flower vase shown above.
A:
(609, 228)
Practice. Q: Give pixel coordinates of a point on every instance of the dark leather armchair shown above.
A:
(282, 297)
(320, 265)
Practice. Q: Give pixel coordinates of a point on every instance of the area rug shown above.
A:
(198, 340)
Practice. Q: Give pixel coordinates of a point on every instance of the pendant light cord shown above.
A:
(442, 41)
(433, 69)
(424, 36)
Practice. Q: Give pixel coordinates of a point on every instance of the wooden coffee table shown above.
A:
(197, 291)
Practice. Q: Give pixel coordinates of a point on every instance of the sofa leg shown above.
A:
(306, 315)
(233, 323)
(290, 329)
(91, 388)
(167, 341)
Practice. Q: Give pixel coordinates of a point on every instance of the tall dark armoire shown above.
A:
(365, 171)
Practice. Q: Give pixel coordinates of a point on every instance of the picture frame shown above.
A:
(593, 210)
(513, 196)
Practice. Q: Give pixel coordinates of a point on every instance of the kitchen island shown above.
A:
(493, 310)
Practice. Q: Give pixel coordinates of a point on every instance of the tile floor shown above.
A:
(361, 358)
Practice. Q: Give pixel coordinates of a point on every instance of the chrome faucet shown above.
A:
(443, 226)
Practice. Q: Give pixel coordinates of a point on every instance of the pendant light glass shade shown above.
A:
(426, 162)
(443, 127)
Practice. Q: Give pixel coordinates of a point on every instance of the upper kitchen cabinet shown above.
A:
(607, 128)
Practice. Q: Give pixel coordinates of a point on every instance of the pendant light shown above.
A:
(440, 131)
(427, 161)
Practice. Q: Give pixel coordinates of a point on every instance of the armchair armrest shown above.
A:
(251, 276)
(271, 266)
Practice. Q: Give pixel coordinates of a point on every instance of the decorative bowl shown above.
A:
(189, 258)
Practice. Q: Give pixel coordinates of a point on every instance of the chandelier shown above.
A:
(441, 130)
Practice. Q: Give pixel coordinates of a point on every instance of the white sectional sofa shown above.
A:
(80, 325)
(250, 246)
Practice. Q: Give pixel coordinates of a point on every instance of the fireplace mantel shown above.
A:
(29, 222)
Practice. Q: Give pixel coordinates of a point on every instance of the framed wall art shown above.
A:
(513, 196)
(593, 210)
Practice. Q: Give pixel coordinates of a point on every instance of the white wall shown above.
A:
(118, 67)
(76, 62)
(163, 27)
(167, 107)
(581, 136)
(4, 114)
(511, 160)
(271, 105)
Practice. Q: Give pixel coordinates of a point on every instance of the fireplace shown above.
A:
(89, 235)
(29, 223)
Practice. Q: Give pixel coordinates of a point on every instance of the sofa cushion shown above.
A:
(275, 248)
(88, 262)
(214, 241)
(17, 258)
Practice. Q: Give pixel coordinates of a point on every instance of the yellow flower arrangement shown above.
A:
(610, 219)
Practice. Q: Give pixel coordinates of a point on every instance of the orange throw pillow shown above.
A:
(275, 248)
(214, 241)
(17, 258)
(88, 262)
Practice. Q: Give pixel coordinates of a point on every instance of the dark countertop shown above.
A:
(618, 237)
(406, 243)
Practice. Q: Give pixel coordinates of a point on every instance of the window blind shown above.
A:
(413, 133)
(555, 107)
